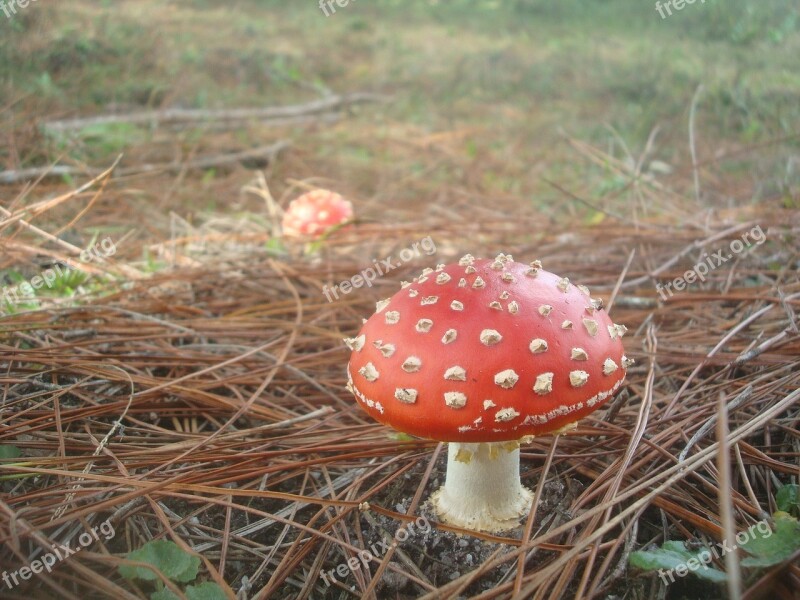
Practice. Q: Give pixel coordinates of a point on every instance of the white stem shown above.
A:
(482, 490)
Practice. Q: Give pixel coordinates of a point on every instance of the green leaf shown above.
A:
(275, 247)
(767, 547)
(788, 499)
(10, 452)
(205, 591)
(208, 176)
(399, 436)
(166, 556)
(595, 218)
(672, 555)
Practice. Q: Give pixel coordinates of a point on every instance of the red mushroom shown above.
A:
(314, 213)
(481, 354)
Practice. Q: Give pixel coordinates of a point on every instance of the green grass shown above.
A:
(521, 69)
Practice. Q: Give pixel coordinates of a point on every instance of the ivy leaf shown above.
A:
(768, 547)
(166, 556)
(9, 452)
(788, 499)
(163, 594)
(673, 555)
(205, 591)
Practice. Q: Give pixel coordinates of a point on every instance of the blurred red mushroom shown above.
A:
(314, 213)
(481, 354)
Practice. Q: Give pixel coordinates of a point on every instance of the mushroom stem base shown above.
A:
(482, 490)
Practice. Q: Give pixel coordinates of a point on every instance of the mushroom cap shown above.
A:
(486, 351)
(313, 213)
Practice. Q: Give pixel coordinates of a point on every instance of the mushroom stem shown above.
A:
(482, 490)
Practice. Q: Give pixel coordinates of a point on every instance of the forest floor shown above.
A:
(185, 380)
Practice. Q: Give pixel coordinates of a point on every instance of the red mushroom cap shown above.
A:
(313, 213)
(486, 351)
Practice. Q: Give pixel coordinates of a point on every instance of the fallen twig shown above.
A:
(172, 116)
(205, 162)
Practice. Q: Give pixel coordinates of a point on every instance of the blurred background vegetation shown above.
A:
(509, 77)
